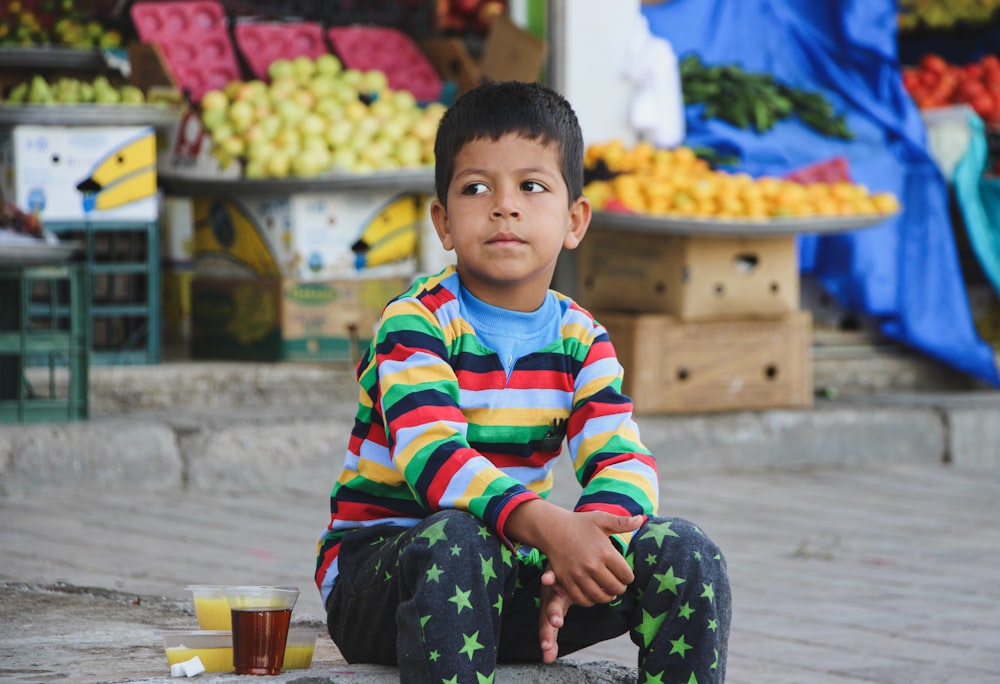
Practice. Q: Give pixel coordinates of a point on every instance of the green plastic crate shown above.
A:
(44, 358)
(122, 261)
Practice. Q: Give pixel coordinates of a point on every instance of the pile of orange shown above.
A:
(676, 182)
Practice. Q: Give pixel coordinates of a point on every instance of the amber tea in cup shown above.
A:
(261, 616)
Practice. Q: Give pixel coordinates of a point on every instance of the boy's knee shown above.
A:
(676, 539)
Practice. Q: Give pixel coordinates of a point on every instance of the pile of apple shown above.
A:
(315, 117)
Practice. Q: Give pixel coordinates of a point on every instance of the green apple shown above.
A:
(409, 152)
(214, 100)
(304, 68)
(329, 108)
(312, 125)
(279, 164)
(311, 162)
(328, 64)
(241, 115)
(345, 159)
(373, 81)
(280, 68)
(338, 132)
(404, 100)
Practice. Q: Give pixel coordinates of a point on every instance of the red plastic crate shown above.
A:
(194, 40)
(391, 51)
(832, 170)
(261, 42)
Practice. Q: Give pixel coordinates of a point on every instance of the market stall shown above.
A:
(280, 160)
(905, 272)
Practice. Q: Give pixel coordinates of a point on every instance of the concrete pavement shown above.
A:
(861, 534)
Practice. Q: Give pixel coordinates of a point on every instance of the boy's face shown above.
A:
(508, 218)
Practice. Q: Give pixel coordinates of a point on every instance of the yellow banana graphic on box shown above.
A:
(391, 234)
(126, 174)
(222, 228)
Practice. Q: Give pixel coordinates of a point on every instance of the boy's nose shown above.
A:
(504, 204)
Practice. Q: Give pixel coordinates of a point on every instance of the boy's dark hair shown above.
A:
(495, 109)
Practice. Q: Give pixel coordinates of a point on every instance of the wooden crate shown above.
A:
(694, 278)
(673, 366)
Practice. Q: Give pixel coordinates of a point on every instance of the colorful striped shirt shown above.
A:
(441, 425)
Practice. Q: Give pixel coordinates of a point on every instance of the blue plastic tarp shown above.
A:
(905, 271)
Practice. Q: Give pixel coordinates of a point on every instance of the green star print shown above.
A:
(679, 646)
(649, 627)
(461, 599)
(434, 533)
(668, 581)
(471, 644)
(658, 531)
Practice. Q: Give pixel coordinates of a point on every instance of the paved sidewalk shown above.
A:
(845, 574)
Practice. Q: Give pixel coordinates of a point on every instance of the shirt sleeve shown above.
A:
(426, 430)
(617, 472)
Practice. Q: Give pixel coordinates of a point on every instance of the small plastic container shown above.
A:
(211, 606)
(299, 648)
(213, 647)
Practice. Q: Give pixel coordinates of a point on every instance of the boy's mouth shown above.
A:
(504, 238)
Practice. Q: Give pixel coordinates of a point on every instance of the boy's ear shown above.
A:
(439, 216)
(579, 221)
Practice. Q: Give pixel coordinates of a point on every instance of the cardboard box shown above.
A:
(509, 54)
(81, 173)
(683, 367)
(286, 319)
(309, 236)
(693, 278)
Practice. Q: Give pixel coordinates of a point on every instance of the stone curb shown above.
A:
(292, 446)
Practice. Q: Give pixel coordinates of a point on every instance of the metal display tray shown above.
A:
(720, 227)
(51, 58)
(89, 115)
(31, 254)
(193, 184)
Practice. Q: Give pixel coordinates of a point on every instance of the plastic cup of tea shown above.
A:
(260, 616)
(211, 607)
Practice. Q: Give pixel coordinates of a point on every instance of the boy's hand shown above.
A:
(553, 608)
(587, 568)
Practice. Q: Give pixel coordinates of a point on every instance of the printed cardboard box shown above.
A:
(309, 236)
(81, 173)
(277, 319)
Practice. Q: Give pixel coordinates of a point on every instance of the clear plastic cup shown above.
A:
(211, 607)
(299, 648)
(260, 616)
(214, 648)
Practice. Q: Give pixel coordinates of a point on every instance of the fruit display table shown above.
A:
(704, 313)
(160, 117)
(189, 184)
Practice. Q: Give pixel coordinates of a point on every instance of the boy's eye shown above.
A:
(474, 189)
(532, 186)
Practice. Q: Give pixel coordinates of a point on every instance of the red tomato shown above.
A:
(983, 104)
(969, 90)
(929, 78)
(933, 63)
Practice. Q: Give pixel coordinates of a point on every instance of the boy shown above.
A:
(442, 554)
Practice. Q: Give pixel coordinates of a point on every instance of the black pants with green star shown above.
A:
(446, 601)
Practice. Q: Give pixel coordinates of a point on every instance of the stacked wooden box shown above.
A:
(701, 322)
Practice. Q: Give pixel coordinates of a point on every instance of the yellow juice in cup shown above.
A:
(298, 657)
(213, 612)
(214, 659)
